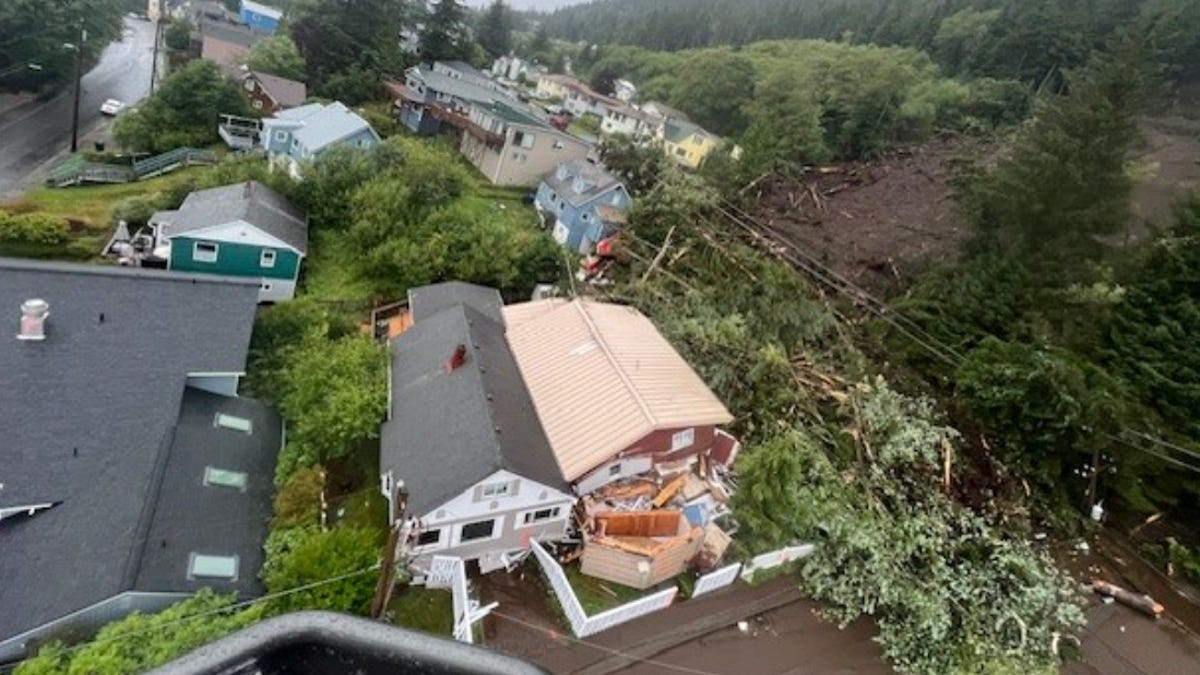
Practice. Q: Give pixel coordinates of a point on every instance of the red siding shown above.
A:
(658, 443)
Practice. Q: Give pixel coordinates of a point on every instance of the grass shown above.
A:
(92, 204)
(423, 609)
(597, 595)
(366, 509)
(327, 277)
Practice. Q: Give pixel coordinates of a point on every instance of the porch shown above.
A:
(239, 133)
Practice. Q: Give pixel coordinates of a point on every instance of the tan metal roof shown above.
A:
(602, 377)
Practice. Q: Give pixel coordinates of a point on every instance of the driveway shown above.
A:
(37, 131)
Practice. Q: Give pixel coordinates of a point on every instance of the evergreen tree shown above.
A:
(443, 38)
(495, 30)
(540, 44)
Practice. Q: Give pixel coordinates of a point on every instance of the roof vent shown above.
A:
(33, 319)
(457, 359)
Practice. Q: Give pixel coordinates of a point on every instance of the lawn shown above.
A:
(327, 277)
(92, 204)
(430, 610)
(597, 595)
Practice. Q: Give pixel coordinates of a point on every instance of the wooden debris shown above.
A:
(693, 487)
(669, 491)
(661, 252)
(1142, 603)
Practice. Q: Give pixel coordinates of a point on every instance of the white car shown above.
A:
(111, 107)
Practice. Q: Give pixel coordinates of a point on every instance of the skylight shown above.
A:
(234, 422)
(212, 566)
(225, 478)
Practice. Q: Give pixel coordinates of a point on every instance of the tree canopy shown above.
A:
(444, 37)
(495, 29)
(183, 111)
(34, 35)
(348, 46)
(276, 55)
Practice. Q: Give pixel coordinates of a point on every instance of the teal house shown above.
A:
(240, 230)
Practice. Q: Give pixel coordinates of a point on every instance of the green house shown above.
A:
(240, 230)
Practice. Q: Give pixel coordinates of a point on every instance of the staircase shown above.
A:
(77, 171)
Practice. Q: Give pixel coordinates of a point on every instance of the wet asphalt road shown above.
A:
(37, 131)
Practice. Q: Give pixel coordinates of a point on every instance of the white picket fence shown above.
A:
(582, 624)
(718, 579)
(450, 572)
(766, 561)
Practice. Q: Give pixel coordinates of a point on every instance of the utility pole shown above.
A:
(387, 571)
(78, 84)
(157, 39)
(1092, 481)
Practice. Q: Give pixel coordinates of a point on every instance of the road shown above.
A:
(40, 130)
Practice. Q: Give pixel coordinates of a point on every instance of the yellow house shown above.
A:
(555, 86)
(685, 142)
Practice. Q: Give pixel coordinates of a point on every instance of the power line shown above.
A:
(210, 612)
(1158, 441)
(615, 652)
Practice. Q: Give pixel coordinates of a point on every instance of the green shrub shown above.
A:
(298, 502)
(33, 228)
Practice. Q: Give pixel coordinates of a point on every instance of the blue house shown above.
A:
(299, 135)
(259, 17)
(587, 202)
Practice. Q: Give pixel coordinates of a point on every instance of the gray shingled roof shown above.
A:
(252, 202)
(231, 33)
(333, 123)
(427, 301)
(287, 93)
(86, 411)
(456, 87)
(191, 517)
(601, 181)
(449, 430)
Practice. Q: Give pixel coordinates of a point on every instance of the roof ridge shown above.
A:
(600, 342)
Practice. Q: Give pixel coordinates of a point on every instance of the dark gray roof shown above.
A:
(191, 517)
(600, 181)
(231, 33)
(252, 202)
(449, 430)
(427, 301)
(85, 412)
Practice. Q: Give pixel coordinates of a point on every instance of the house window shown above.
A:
(249, 84)
(204, 251)
(541, 515)
(681, 152)
(616, 198)
(586, 217)
(523, 139)
(482, 529)
(683, 439)
(233, 422)
(257, 104)
(224, 478)
(212, 566)
(495, 489)
(429, 537)
(558, 145)
(266, 258)
(614, 470)
(281, 135)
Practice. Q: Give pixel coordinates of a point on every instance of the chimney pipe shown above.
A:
(457, 359)
(33, 319)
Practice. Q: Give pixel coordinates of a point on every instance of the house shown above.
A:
(226, 45)
(588, 203)
(429, 100)
(513, 145)
(271, 93)
(259, 17)
(509, 67)
(299, 135)
(244, 230)
(624, 90)
(554, 86)
(685, 142)
(464, 461)
(629, 121)
(461, 70)
(614, 397)
(660, 109)
(133, 475)
(583, 100)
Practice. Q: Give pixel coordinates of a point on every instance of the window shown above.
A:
(482, 529)
(281, 135)
(541, 514)
(212, 566)
(495, 489)
(616, 197)
(614, 470)
(558, 145)
(204, 251)
(266, 258)
(429, 537)
(586, 217)
(233, 422)
(257, 104)
(523, 139)
(680, 151)
(225, 478)
(682, 439)
(248, 84)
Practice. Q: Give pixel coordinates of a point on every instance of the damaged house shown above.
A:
(554, 419)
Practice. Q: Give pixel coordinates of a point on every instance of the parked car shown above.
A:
(111, 107)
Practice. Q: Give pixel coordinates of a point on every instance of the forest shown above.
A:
(37, 38)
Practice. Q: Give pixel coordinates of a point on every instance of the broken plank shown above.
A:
(669, 491)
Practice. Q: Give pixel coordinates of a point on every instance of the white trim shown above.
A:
(217, 373)
(683, 438)
(267, 254)
(196, 254)
(503, 489)
(521, 523)
(497, 531)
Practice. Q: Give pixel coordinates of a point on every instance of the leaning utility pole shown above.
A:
(387, 570)
(78, 83)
